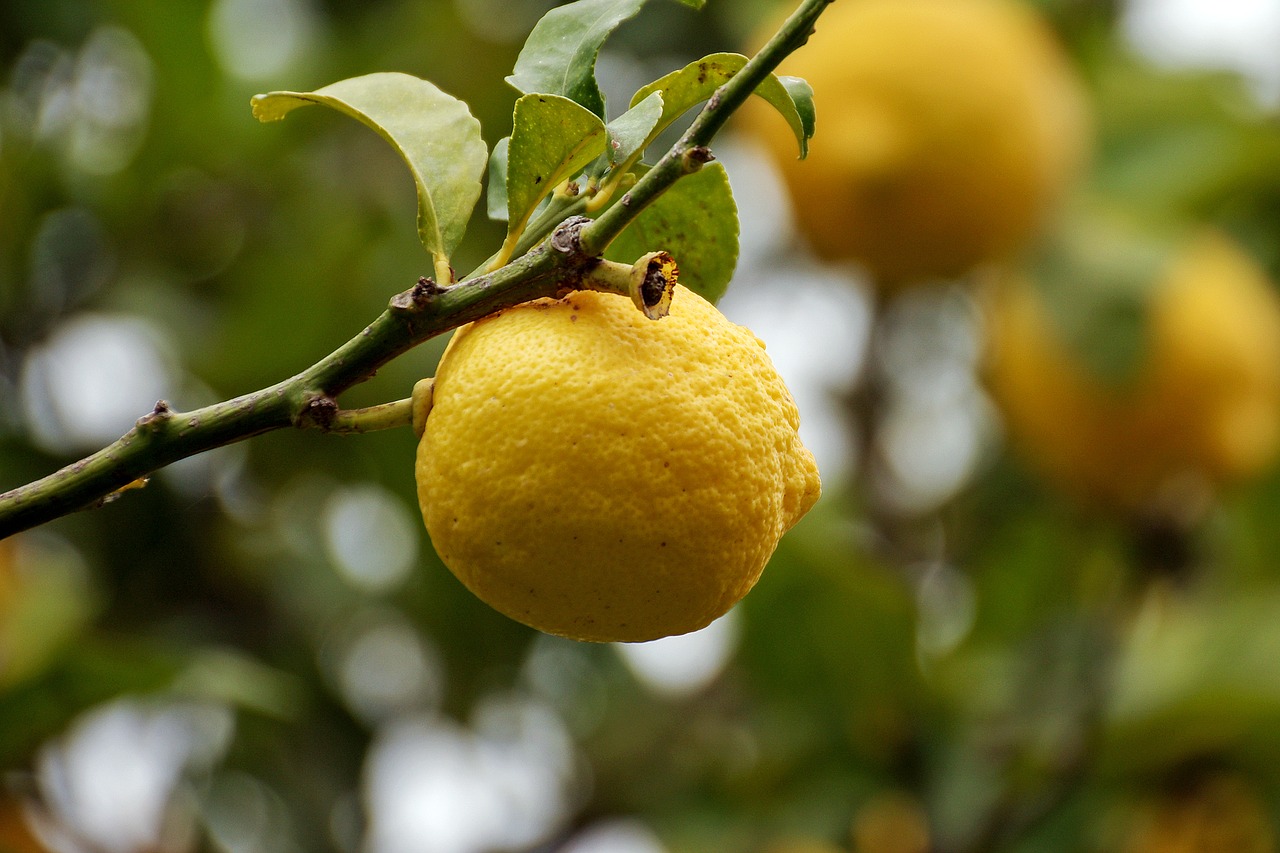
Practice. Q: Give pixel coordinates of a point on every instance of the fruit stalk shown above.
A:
(309, 399)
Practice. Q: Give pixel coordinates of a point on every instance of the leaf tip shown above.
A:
(258, 104)
(269, 107)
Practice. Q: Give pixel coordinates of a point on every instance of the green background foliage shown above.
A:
(1030, 676)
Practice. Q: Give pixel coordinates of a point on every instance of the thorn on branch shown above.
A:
(155, 419)
(319, 412)
(695, 158)
(418, 297)
(567, 239)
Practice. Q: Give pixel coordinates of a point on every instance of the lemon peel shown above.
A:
(602, 476)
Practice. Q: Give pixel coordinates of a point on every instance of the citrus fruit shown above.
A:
(947, 129)
(603, 476)
(1203, 405)
(891, 822)
(1215, 815)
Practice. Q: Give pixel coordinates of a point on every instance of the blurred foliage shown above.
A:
(1007, 671)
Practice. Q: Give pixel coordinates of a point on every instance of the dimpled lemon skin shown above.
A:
(947, 131)
(1205, 403)
(602, 476)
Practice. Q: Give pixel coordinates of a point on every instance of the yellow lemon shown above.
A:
(1222, 814)
(947, 129)
(892, 822)
(1204, 406)
(602, 476)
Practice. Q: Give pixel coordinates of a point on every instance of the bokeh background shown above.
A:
(260, 651)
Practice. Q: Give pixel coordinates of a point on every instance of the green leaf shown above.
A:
(559, 57)
(698, 81)
(697, 222)
(553, 139)
(629, 132)
(496, 201)
(802, 97)
(434, 132)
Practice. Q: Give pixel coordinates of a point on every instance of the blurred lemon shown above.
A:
(891, 823)
(599, 475)
(946, 130)
(1202, 407)
(1222, 814)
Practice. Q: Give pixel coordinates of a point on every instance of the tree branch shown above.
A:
(309, 399)
(306, 400)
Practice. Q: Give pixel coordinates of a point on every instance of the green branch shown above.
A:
(309, 400)
(690, 153)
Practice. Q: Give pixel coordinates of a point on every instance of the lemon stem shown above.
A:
(384, 416)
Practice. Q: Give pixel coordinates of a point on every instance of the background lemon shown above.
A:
(1213, 815)
(1205, 403)
(600, 475)
(946, 130)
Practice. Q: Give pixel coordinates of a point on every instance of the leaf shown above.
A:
(552, 140)
(802, 97)
(697, 222)
(698, 81)
(629, 132)
(559, 57)
(434, 132)
(496, 201)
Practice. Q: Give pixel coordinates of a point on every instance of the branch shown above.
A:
(309, 400)
(306, 400)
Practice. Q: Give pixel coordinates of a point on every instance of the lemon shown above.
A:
(1219, 814)
(947, 130)
(599, 475)
(1204, 407)
(891, 822)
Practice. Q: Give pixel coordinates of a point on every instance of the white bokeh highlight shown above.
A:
(433, 786)
(1236, 35)
(109, 784)
(687, 663)
(370, 536)
(260, 39)
(383, 666)
(620, 835)
(92, 379)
